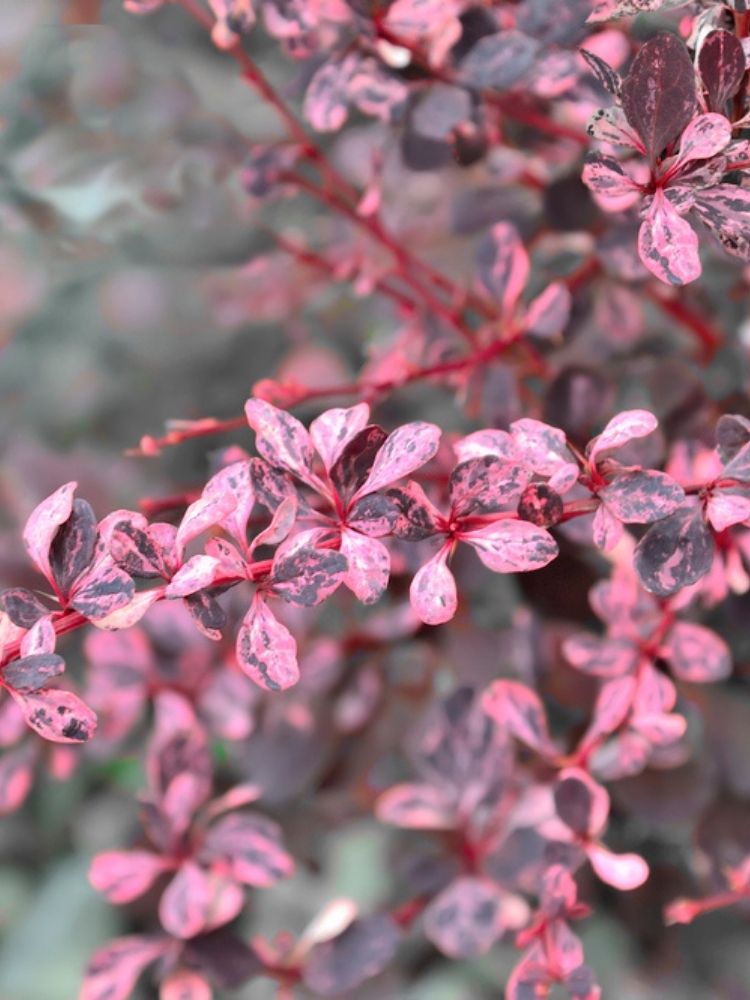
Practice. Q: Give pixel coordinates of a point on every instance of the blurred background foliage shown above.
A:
(135, 288)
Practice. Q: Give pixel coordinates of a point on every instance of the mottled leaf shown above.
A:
(368, 566)
(497, 61)
(516, 707)
(602, 657)
(405, 450)
(466, 919)
(73, 546)
(547, 315)
(59, 716)
(307, 576)
(355, 460)
(642, 497)
(32, 672)
(433, 591)
(696, 654)
(503, 265)
(282, 440)
(674, 553)
(114, 969)
(621, 429)
(418, 518)
(43, 524)
(332, 431)
(249, 847)
(266, 650)
(22, 606)
(511, 546)
(667, 244)
(485, 485)
(416, 807)
(725, 209)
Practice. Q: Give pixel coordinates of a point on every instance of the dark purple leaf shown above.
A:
(374, 515)
(32, 672)
(208, 615)
(352, 467)
(721, 62)
(224, 957)
(573, 804)
(659, 93)
(732, 434)
(674, 552)
(73, 546)
(365, 948)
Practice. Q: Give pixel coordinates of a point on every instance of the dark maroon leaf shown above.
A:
(224, 957)
(659, 94)
(22, 606)
(573, 804)
(721, 62)
(364, 949)
(607, 77)
(73, 546)
(674, 552)
(353, 465)
(308, 576)
(541, 505)
(32, 672)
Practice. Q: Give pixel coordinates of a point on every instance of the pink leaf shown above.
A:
(59, 716)
(417, 807)
(697, 655)
(547, 315)
(614, 189)
(607, 530)
(113, 971)
(196, 574)
(43, 524)
(611, 708)
(512, 546)
(41, 637)
(404, 451)
(487, 442)
(368, 566)
(705, 136)
(281, 524)
(125, 875)
(334, 429)
(542, 446)
(624, 427)
(667, 245)
(725, 509)
(433, 591)
(466, 919)
(623, 871)
(185, 985)
(516, 707)
(233, 482)
(204, 513)
(249, 848)
(641, 497)
(266, 649)
(601, 657)
(16, 777)
(283, 441)
(503, 265)
(195, 901)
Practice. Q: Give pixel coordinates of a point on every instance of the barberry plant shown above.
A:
(481, 594)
